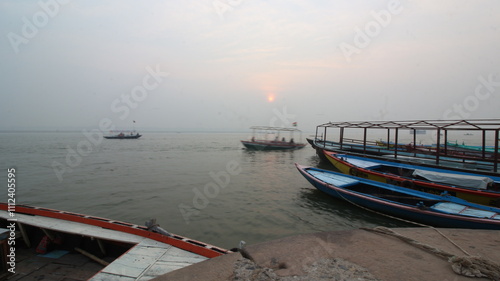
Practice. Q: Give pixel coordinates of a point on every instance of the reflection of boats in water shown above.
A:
(272, 139)
(93, 248)
(123, 136)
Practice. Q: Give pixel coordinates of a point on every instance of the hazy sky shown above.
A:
(231, 64)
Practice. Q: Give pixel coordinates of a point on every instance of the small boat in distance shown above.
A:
(270, 138)
(124, 136)
(417, 206)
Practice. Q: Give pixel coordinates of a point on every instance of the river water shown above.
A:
(205, 186)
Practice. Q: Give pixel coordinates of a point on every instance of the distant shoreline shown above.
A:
(142, 131)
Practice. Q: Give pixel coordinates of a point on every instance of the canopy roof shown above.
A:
(478, 124)
(442, 127)
(266, 128)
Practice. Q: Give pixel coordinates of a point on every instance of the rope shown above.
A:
(403, 220)
(470, 266)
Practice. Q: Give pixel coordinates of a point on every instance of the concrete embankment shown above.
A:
(352, 255)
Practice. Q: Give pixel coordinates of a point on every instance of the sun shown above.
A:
(270, 98)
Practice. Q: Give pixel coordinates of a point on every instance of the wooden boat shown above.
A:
(111, 250)
(452, 151)
(356, 147)
(122, 136)
(272, 139)
(448, 150)
(417, 206)
(476, 188)
(392, 145)
(351, 145)
(476, 148)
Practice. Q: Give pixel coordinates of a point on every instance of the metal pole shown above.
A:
(445, 142)
(341, 137)
(437, 149)
(324, 139)
(364, 140)
(414, 142)
(396, 141)
(388, 138)
(495, 164)
(484, 143)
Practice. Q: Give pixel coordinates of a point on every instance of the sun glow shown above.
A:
(270, 98)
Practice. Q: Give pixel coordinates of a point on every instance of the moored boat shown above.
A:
(476, 188)
(452, 151)
(271, 138)
(413, 205)
(449, 150)
(439, 155)
(486, 149)
(123, 136)
(119, 250)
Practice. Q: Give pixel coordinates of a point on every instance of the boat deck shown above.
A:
(144, 260)
(53, 266)
(147, 260)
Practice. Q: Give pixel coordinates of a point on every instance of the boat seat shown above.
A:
(362, 163)
(338, 181)
(454, 208)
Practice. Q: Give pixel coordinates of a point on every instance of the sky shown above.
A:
(226, 65)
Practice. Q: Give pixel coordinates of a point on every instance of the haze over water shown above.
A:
(223, 66)
(160, 174)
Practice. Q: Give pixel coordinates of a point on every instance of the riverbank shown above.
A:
(350, 255)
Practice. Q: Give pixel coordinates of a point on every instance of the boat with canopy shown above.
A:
(273, 138)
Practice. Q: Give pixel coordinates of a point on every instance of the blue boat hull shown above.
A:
(413, 213)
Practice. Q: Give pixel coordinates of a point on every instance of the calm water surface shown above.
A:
(205, 186)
